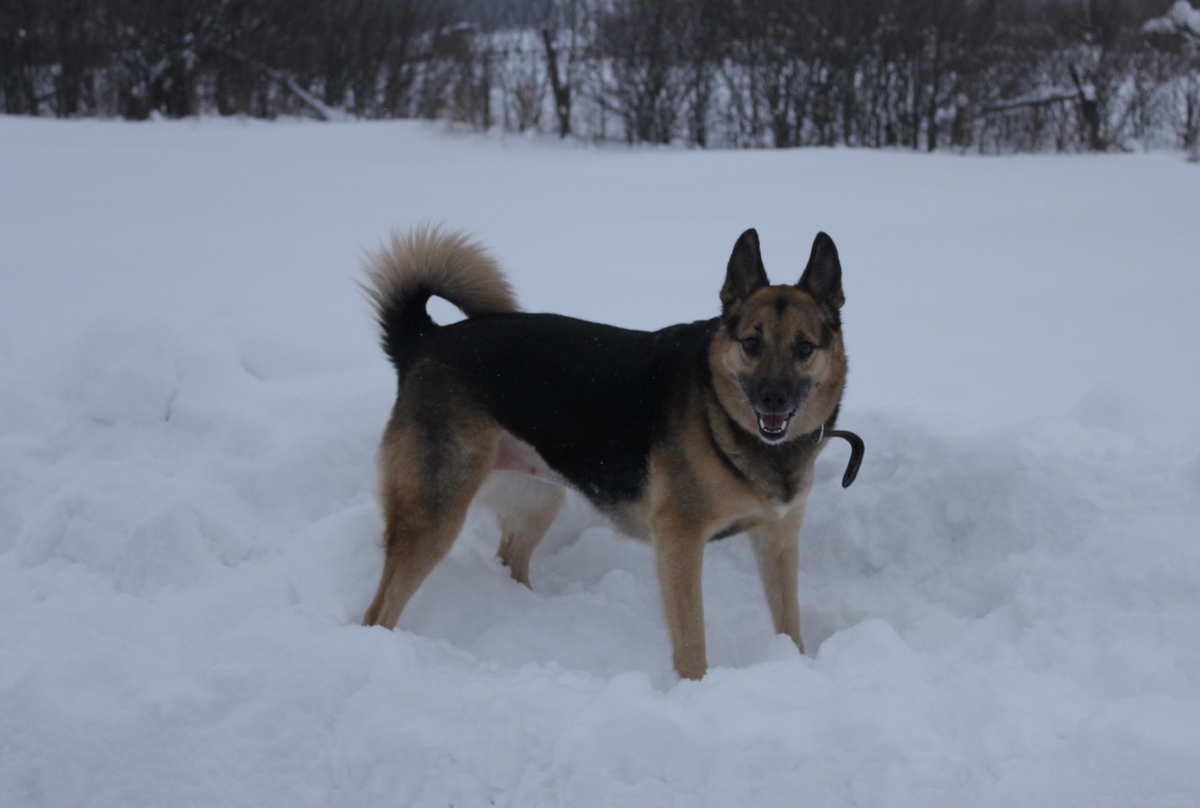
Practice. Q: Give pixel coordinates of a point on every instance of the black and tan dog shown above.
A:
(679, 436)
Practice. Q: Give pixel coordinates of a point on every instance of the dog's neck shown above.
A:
(774, 471)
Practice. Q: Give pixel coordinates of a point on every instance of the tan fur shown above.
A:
(457, 268)
(777, 551)
(424, 513)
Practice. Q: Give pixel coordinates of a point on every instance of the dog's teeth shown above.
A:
(773, 431)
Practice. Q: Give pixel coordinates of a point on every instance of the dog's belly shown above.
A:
(514, 454)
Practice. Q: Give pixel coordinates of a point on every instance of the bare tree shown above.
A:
(563, 29)
(992, 75)
(1177, 34)
(641, 38)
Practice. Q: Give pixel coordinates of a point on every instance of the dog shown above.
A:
(680, 436)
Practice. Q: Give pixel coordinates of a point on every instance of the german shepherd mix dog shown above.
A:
(679, 436)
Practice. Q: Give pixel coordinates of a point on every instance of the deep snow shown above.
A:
(1003, 610)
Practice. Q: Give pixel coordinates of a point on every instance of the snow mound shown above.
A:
(126, 371)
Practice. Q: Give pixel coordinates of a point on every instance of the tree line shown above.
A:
(979, 75)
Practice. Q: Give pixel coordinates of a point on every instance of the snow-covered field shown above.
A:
(1004, 610)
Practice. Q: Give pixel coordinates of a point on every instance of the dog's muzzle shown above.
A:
(773, 426)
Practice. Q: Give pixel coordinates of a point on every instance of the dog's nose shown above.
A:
(772, 399)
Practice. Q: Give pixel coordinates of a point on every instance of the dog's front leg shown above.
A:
(777, 550)
(679, 557)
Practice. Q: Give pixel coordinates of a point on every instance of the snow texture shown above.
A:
(1180, 19)
(1004, 609)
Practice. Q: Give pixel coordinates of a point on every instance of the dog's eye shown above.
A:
(752, 345)
(804, 350)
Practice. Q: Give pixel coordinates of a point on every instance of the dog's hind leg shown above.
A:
(525, 506)
(426, 485)
(777, 550)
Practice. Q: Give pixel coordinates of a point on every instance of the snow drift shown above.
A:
(1003, 610)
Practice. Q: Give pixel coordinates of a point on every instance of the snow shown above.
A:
(1003, 610)
(1181, 19)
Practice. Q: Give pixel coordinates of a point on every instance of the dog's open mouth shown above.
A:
(772, 426)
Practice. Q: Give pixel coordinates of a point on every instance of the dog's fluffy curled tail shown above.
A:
(404, 273)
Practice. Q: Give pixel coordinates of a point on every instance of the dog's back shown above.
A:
(590, 397)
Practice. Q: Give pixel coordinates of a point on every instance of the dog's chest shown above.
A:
(781, 475)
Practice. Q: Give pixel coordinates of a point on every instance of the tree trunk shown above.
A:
(1089, 113)
(560, 88)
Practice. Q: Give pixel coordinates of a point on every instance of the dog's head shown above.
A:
(778, 362)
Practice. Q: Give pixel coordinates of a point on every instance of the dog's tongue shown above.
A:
(772, 421)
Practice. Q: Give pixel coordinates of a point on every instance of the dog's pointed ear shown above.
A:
(822, 277)
(745, 274)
